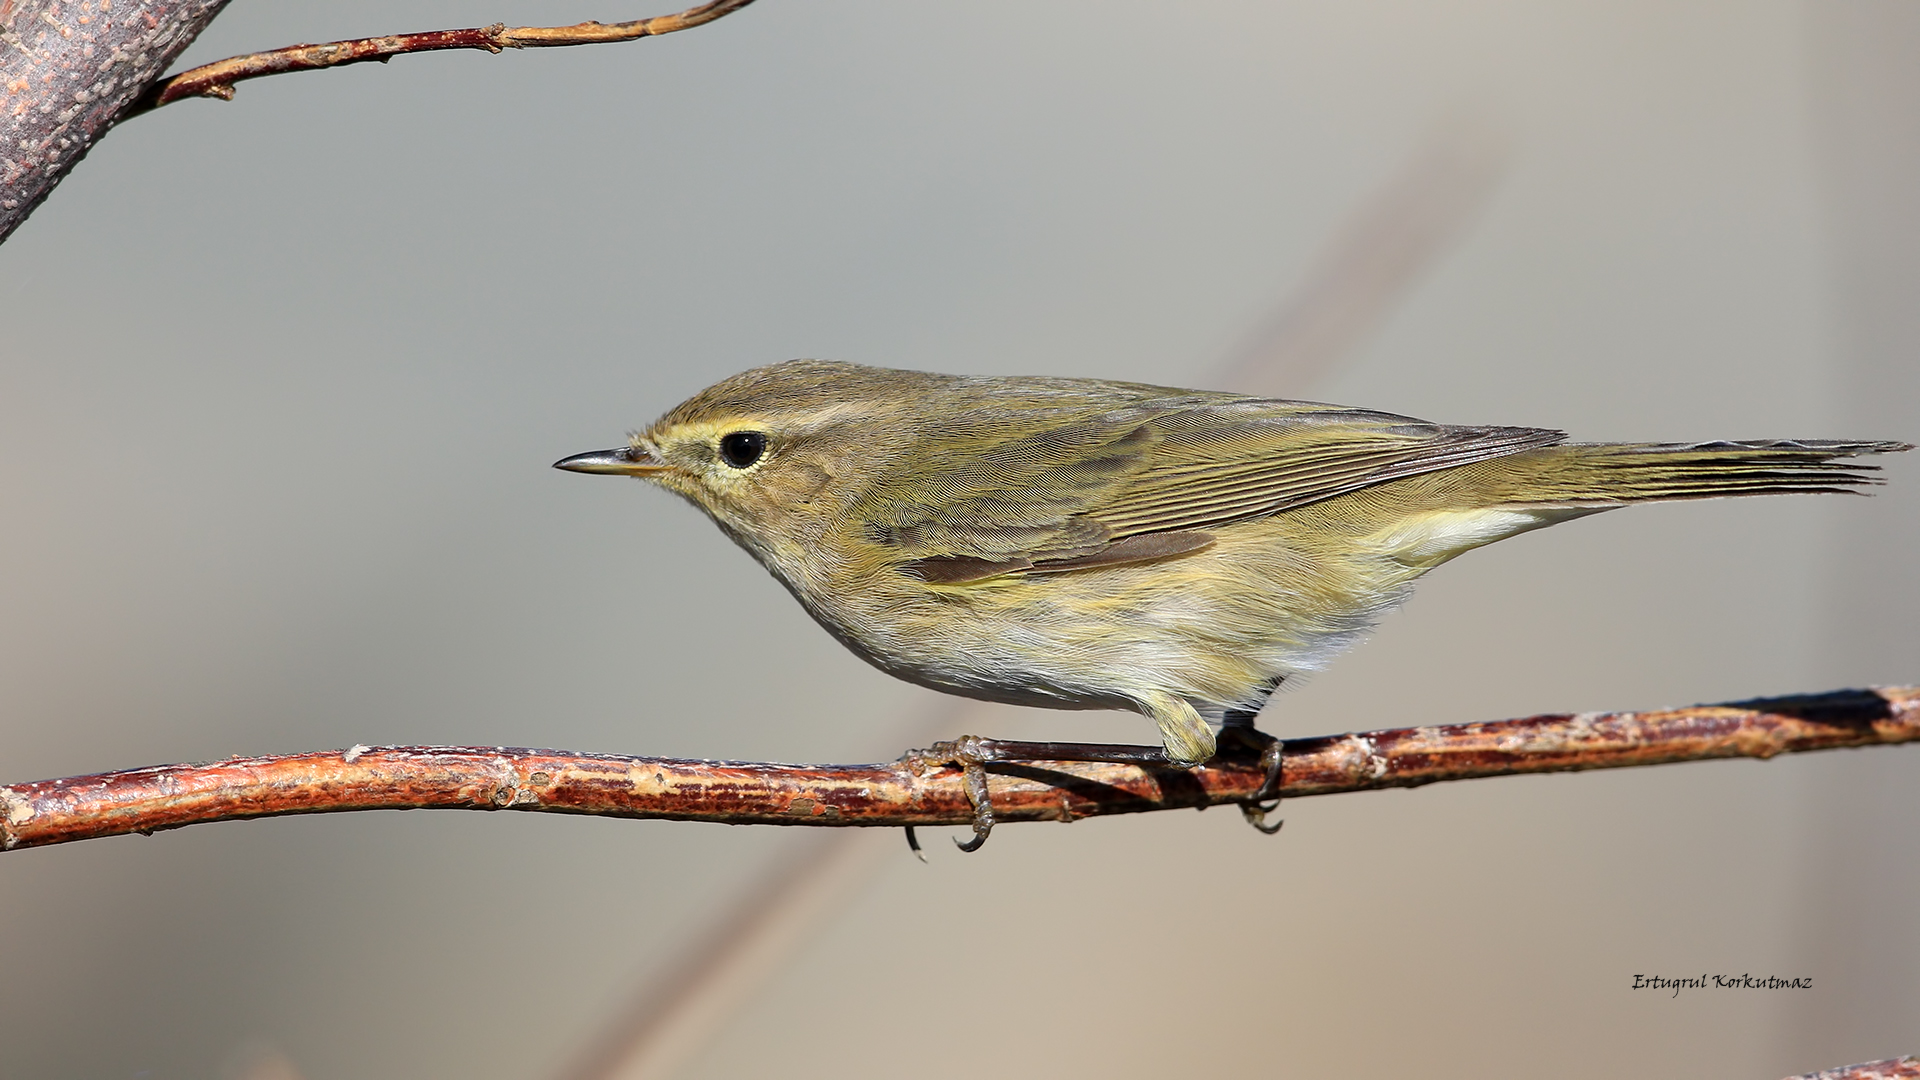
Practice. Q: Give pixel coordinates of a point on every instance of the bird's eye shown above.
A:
(742, 448)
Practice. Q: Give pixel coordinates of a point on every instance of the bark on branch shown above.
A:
(218, 78)
(71, 69)
(1906, 1068)
(920, 791)
(67, 70)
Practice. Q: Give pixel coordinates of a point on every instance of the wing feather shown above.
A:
(1094, 488)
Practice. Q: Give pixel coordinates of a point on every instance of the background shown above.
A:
(282, 379)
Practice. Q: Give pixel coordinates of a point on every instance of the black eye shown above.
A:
(742, 448)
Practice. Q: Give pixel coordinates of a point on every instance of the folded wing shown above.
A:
(1145, 483)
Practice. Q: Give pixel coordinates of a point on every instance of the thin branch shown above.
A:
(70, 72)
(673, 1015)
(218, 78)
(918, 790)
(1906, 1068)
(1383, 249)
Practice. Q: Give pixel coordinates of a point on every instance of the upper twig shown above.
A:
(218, 78)
(69, 72)
(919, 791)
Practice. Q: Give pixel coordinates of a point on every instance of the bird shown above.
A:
(1092, 544)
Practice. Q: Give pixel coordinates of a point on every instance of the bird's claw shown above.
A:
(1257, 807)
(971, 754)
(1256, 815)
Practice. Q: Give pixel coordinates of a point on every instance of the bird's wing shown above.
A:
(1145, 483)
(1211, 469)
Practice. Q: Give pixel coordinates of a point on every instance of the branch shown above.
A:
(918, 790)
(67, 71)
(70, 71)
(218, 78)
(1906, 1068)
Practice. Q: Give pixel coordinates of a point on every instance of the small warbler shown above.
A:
(1082, 544)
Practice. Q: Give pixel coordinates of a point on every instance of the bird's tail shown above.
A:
(1610, 474)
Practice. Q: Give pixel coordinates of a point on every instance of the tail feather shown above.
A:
(1605, 474)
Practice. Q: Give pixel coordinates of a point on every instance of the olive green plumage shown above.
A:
(1085, 544)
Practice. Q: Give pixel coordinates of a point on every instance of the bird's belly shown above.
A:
(1217, 629)
(1021, 657)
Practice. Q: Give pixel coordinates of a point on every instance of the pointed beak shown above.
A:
(621, 461)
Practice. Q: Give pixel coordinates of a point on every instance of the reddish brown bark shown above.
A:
(1906, 1068)
(916, 791)
(218, 78)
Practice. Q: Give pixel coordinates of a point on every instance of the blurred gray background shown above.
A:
(280, 380)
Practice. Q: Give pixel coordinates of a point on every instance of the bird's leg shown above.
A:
(972, 753)
(1188, 739)
(1239, 730)
(973, 761)
(1188, 743)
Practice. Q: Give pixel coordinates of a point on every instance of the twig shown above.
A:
(70, 72)
(1906, 1068)
(919, 791)
(1383, 249)
(218, 78)
(676, 1012)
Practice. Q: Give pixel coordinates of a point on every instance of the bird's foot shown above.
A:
(973, 753)
(1240, 734)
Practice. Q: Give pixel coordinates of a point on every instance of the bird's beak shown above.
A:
(622, 461)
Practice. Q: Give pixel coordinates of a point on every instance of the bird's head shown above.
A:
(772, 453)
